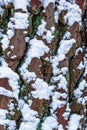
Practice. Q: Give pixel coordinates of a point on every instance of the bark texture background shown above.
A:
(16, 54)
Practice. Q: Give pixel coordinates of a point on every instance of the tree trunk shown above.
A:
(43, 65)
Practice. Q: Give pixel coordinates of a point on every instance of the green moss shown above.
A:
(12, 11)
(37, 22)
(67, 76)
(30, 97)
(39, 126)
(9, 117)
(4, 25)
(25, 83)
(42, 114)
(19, 82)
(57, 33)
(22, 90)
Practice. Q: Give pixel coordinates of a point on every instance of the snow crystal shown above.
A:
(43, 91)
(50, 123)
(74, 122)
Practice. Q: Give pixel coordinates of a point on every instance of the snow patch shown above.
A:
(74, 122)
(50, 123)
(21, 5)
(21, 20)
(30, 118)
(43, 91)
(47, 2)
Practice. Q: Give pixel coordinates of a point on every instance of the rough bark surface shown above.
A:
(37, 58)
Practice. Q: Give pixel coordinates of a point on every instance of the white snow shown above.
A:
(74, 122)
(47, 2)
(64, 70)
(56, 102)
(6, 72)
(80, 66)
(73, 1)
(1, 11)
(5, 92)
(62, 82)
(11, 123)
(46, 34)
(49, 36)
(60, 127)
(3, 113)
(7, 1)
(73, 14)
(65, 46)
(10, 33)
(50, 123)
(42, 89)
(21, 20)
(37, 49)
(56, 16)
(81, 87)
(42, 28)
(5, 42)
(67, 35)
(28, 126)
(21, 5)
(30, 118)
